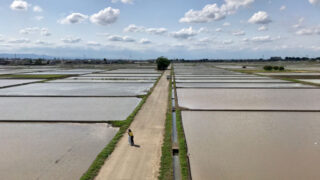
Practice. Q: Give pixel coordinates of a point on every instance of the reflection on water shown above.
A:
(50, 151)
(253, 145)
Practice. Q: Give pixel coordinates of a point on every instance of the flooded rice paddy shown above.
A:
(50, 151)
(11, 82)
(248, 129)
(90, 80)
(62, 72)
(41, 137)
(66, 108)
(121, 75)
(241, 85)
(253, 145)
(222, 78)
(290, 74)
(316, 81)
(117, 78)
(230, 81)
(79, 89)
(250, 99)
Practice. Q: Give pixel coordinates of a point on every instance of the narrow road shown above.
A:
(128, 162)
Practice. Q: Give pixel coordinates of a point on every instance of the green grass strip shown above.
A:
(184, 163)
(183, 150)
(166, 166)
(95, 167)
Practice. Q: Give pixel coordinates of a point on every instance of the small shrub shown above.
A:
(281, 68)
(276, 68)
(268, 68)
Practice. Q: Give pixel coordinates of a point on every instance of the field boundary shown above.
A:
(183, 148)
(166, 164)
(95, 167)
(39, 78)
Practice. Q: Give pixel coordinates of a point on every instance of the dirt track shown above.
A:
(143, 162)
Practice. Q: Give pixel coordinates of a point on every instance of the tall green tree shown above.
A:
(162, 63)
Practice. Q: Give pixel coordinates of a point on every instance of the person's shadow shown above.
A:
(136, 145)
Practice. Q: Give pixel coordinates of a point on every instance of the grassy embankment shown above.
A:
(183, 150)
(166, 169)
(93, 170)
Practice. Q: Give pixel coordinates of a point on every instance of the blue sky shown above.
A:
(142, 29)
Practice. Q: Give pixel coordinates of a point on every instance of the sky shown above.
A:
(144, 29)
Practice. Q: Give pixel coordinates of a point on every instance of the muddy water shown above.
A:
(122, 75)
(250, 99)
(253, 145)
(231, 81)
(50, 151)
(223, 78)
(244, 85)
(10, 82)
(79, 89)
(94, 80)
(316, 81)
(66, 109)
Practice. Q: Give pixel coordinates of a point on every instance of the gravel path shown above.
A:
(127, 162)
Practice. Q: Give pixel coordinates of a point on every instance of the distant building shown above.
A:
(276, 58)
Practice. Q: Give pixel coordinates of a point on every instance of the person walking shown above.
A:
(130, 137)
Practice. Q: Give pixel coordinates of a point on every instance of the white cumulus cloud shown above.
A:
(226, 24)
(157, 31)
(261, 39)
(212, 12)
(71, 40)
(314, 2)
(239, 33)
(37, 9)
(74, 18)
(45, 32)
(263, 28)
(29, 30)
(135, 28)
(184, 33)
(39, 18)
(264, 39)
(19, 41)
(120, 38)
(106, 16)
(282, 8)
(226, 42)
(145, 41)
(260, 17)
(1, 38)
(299, 24)
(19, 5)
(309, 31)
(35, 30)
(218, 30)
(44, 43)
(123, 1)
(93, 43)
